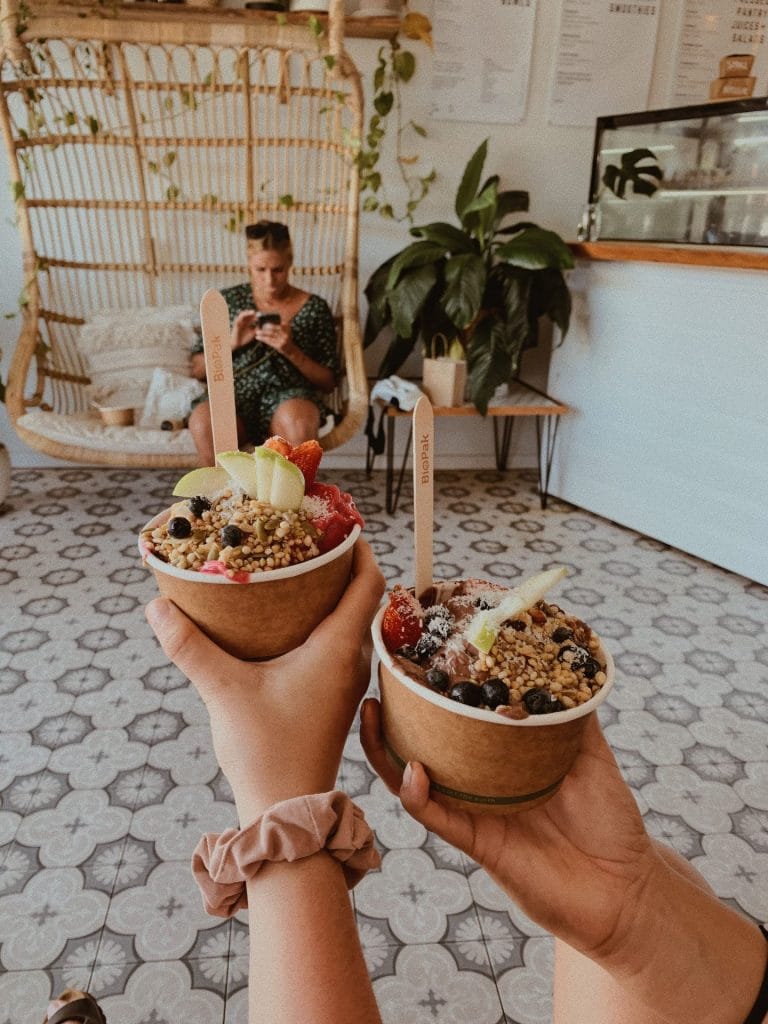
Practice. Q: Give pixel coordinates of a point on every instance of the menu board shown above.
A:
(481, 66)
(604, 62)
(722, 51)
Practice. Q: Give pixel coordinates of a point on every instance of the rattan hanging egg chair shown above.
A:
(141, 139)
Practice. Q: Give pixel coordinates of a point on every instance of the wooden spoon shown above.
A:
(214, 317)
(423, 492)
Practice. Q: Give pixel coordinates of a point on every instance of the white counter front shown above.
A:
(666, 367)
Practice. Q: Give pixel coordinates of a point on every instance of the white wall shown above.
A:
(666, 372)
(553, 163)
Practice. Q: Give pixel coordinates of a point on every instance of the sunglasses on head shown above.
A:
(274, 229)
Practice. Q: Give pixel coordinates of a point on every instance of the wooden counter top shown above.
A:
(727, 257)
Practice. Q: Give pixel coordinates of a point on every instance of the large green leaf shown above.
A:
(514, 289)
(511, 202)
(480, 215)
(470, 180)
(550, 297)
(406, 300)
(486, 364)
(398, 351)
(417, 254)
(535, 248)
(464, 287)
(451, 238)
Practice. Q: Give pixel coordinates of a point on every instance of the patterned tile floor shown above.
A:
(107, 776)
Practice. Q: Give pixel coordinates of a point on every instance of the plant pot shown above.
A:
(444, 381)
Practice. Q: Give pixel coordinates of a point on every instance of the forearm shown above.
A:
(306, 962)
(687, 955)
(319, 376)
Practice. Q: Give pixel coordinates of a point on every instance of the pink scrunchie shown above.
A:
(289, 830)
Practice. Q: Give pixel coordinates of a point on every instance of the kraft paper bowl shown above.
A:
(271, 614)
(476, 759)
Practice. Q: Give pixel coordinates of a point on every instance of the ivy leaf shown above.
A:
(172, 192)
(383, 102)
(17, 190)
(286, 200)
(168, 103)
(93, 125)
(188, 99)
(315, 27)
(169, 159)
(403, 65)
(153, 167)
(378, 77)
(419, 130)
(330, 61)
(69, 118)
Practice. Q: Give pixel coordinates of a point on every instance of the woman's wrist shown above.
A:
(684, 953)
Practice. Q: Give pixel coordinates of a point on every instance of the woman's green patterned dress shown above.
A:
(264, 378)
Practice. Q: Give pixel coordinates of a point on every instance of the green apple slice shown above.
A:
(242, 469)
(484, 627)
(264, 460)
(287, 489)
(206, 482)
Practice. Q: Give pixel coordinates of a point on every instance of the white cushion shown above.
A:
(122, 348)
(89, 432)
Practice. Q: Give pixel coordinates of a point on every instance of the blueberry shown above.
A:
(466, 693)
(427, 644)
(591, 668)
(179, 527)
(562, 633)
(517, 624)
(578, 656)
(198, 505)
(231, 536)
(438, 679)
(482, 604)
(555, 705)
(537, 702)
(495, 693)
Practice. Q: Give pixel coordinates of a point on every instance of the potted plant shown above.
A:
(485, 283)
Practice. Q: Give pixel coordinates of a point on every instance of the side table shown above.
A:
(522, 400)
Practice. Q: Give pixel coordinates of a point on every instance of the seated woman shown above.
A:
(281, 370)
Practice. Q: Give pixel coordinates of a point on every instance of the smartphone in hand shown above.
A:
(267, 318)
(261, 319)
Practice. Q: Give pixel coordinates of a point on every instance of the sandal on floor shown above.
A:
(86, 1010)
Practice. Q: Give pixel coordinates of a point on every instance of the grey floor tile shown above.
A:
(107, 773)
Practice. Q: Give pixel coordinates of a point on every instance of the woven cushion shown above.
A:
(122, 349)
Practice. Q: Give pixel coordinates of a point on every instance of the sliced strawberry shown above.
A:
(307, 457)
(401, 624)
(279, 444)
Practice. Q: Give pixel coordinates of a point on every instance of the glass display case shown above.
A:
(694, 175)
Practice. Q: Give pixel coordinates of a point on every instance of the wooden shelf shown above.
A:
(727, 257)
(177, 15)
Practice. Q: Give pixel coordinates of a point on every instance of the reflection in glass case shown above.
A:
(693, 175)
